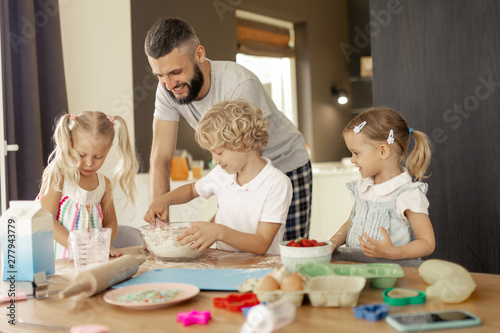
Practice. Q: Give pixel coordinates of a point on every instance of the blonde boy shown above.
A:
(253, 196)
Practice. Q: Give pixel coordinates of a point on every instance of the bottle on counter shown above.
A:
(268, 317)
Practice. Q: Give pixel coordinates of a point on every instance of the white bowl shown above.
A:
(162, 242)
(292, 256)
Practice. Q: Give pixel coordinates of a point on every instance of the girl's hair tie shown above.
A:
(111, 119)
(72, 117)
(358, 128)
(410, 130)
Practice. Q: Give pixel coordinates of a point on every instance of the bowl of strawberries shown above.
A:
(304, 251)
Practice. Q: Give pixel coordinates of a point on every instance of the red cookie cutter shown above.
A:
(235, 302)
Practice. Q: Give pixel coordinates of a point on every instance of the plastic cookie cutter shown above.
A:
(372, 312)
(236, 302)
(194, 317)
(403, 296)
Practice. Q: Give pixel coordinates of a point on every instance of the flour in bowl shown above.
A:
(167, 248)
(162, 242)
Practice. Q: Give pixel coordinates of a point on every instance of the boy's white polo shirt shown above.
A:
(265, 198)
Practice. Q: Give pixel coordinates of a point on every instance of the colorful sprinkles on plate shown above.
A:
(150, 296)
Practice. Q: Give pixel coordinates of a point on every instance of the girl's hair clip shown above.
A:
(390, 139)
(410, 130)
(358, 128)
(72, 117)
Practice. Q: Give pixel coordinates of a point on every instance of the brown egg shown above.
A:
(267, 283)
(292, 282)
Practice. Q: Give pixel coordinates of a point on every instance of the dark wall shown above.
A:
(321, 26)
(359, 46)
(437, 62)
(217, 36)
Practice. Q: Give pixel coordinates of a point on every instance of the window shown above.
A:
(277, 77)
(266, 47)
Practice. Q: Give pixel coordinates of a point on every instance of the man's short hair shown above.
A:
(168, 34)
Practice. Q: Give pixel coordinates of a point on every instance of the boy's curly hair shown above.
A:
(236, 125)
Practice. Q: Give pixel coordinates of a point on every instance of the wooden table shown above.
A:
(484, 302)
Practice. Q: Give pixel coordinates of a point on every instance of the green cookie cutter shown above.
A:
(419, 299)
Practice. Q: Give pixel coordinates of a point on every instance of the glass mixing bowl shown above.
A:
(162, 242)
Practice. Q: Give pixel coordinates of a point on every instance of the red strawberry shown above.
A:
(305, 242)
(296, 245)
(290, 243)
(314, 242)
(321, 243)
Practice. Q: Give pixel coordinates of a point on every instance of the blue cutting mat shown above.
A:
(203, 278)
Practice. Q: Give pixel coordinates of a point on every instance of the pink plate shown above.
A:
(187, 291)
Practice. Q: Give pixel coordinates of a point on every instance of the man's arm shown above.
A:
(162, 151)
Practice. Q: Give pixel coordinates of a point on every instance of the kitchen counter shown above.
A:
(73, 311)
(328, 168)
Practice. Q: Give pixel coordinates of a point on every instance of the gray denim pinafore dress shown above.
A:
(369, 216)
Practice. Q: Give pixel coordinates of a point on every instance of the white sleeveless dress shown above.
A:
(79, 210)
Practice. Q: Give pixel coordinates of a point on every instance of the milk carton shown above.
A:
(27, 241)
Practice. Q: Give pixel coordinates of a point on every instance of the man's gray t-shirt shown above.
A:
(229, 81)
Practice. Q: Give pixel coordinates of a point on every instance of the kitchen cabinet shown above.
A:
(361, 94)
(331, 200)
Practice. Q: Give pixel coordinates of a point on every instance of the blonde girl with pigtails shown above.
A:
(390, 216)
(78, 196)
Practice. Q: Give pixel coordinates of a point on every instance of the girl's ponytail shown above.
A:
(60, 161)
(127, 167)
(419, 159)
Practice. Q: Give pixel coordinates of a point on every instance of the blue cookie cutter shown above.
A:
(371, 312)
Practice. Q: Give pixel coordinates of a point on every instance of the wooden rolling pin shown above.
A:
(96, 279)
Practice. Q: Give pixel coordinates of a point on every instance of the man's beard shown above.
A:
(194, 87)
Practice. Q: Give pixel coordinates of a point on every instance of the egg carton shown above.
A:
(294, 297)
(382, 276)
(322, 291)
(335, 290)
